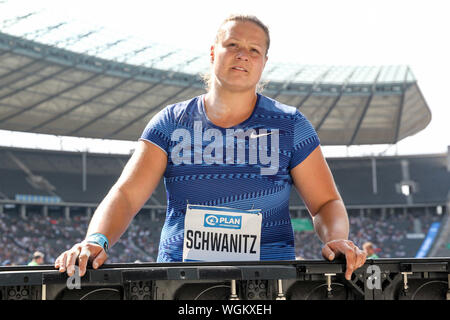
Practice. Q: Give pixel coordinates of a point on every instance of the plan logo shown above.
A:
(222, 221)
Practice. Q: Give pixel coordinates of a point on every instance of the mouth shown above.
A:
(239, 69)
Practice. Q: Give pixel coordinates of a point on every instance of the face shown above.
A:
(239, 56)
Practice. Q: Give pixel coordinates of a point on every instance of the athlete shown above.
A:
(229, 158)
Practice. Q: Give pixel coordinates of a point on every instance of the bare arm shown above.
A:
(135, 185)
(315, 184)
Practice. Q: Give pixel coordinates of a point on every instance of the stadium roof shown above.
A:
(79, 82)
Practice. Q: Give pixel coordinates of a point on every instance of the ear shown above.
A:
(212, 53)
(265, 61)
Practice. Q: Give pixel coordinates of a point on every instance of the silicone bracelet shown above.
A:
(99, 239)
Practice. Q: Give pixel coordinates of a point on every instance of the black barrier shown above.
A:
(378, 279)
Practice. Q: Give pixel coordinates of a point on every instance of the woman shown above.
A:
(231, 149)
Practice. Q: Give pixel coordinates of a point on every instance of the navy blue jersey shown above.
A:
(243, 167)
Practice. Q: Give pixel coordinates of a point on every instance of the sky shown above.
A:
(343, 32)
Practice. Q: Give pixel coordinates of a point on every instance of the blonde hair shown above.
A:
(207, 77)
(368, 245)
(244, 18)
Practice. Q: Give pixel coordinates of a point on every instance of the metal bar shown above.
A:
(22, 68)
(35, 83)
(280, 294)
(121, 105)
(81, 204)
(361, 118)
(15, 20)
(44, 292)
(333, 105)
(147, 112)
(84, 102)
(186, 63)
(1, 55)
(34, 105)
(161, 58)
(103, 47)
(39, 32)
(286, 84)
(233, 295)
(366, 107)
(125, 56)
(313, 87)
(84, 165)
(374, 176)
(73, 39)
(336, 100)
(400, 108)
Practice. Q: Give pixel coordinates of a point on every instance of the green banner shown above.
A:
(302, 224)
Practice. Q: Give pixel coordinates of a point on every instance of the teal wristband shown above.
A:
(99, 239)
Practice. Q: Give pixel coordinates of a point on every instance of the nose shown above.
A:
(242, 54)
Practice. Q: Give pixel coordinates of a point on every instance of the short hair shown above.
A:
(38, 254)
(206, 77)
(245, 18)
(367, 245)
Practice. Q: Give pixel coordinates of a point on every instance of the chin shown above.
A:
(238, 86)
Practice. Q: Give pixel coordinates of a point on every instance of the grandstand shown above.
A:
(84, 83)
(379, 210)
(68, 86)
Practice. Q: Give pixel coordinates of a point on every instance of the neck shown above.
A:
(226, 109)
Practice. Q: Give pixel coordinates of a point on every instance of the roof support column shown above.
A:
(84, 168)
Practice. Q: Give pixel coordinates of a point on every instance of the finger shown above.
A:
(350, 256)
(339, 246)
(347, 248)
(71, 259)
(361, 258)
(99, 259)
(58, 261)
(83, 259)
(327, 253)
(62, 262)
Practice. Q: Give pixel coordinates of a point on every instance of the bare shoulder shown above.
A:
(147, 159)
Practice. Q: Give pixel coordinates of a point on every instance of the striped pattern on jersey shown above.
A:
(234, 185)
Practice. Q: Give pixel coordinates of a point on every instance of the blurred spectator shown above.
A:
(38, 259)
(19, 237)
(6, 263)
(388, 230)
(369, 249)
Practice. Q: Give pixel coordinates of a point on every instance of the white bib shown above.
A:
(221, 234)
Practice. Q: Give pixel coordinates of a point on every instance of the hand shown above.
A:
(85, 252)
(354, 256)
